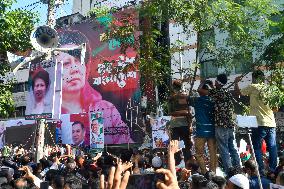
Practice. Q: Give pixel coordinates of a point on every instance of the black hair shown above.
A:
(178, 158)
(194, 167)
(222, 78)
(251, 165)
(177, 84)
(199, 181)
(236, 187)
(258, 74)
(51, 174)
(220, 181)
(6, 186)
(73, 181)
(281, 177)
(209, 175)
(206, 83)
(80, 123)
(25, 160)
(42, 74)
(58, 181)
(212, 185)
(234, 171)
(126, 155)
(14, 183)
(74, 37)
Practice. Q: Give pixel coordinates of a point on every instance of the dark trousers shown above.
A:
(182, 133)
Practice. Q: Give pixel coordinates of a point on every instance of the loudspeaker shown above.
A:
(44, 39)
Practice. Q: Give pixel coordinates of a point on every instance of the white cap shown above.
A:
(240, 181)
(156, 162)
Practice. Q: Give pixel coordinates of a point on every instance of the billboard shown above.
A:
(97, 131)
(98, 81)
(41, 90)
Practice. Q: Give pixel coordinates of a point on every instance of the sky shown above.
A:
(37, 6)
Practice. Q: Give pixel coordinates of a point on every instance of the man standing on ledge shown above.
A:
(265, 119)
(224, 122)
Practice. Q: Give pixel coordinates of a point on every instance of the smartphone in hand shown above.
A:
(144, 181)
(44, 185)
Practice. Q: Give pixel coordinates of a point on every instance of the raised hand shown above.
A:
(173, 147)
(115, 179)
(126, 166)
(170, 180)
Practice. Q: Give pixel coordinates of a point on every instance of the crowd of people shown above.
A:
(64, 167)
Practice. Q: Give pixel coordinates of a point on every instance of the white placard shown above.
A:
(276, 186)
(247, 121)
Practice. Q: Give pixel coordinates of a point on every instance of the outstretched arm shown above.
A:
(172, 149)
(203, 91)
(237, 88)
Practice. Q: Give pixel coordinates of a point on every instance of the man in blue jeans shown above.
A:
(224, 122)
(265, 118)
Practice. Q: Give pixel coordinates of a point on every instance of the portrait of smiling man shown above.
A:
(78, 133)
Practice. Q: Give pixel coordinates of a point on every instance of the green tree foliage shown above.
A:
(244, 24)
(16, 26)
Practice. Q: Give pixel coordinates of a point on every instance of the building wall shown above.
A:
(84, 6)
(81, 6)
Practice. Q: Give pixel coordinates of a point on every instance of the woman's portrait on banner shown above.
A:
(78, 96)
(41, 89)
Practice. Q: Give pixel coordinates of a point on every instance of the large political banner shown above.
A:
(75, 130)
(160, 135)
(97, 131)
(41, 93)
(99, 77)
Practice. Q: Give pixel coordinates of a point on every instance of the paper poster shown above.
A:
(40, 96)
(160, 135)
(75, 129)
(246, 121)
(97, 131)
(2, 133)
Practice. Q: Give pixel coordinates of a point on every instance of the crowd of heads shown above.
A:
(82, 169)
